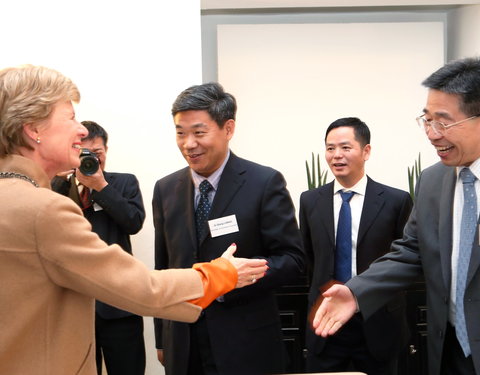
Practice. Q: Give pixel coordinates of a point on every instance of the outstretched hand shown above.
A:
(337, 307)
(249, 270)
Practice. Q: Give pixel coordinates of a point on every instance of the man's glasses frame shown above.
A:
(437, 126)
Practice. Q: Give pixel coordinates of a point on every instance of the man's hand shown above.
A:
(337, 307)
(95, 182)
(249, 270)
(160, 356)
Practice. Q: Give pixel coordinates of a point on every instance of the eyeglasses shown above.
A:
(437, 126)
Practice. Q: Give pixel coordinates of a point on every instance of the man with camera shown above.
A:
(112, 203)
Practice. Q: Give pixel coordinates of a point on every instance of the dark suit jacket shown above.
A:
(122, 215)
(244, 330)
(427, 246)
(384, 214)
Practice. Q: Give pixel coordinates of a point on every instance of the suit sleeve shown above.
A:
(280, 235)
(60, 185)
(161, 254)
(306, 235)
(389, 274)
(79, 260)
(403, 215)
(123, 203)
(280, 239)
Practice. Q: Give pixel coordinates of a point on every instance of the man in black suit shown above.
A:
(378, 214)
(112, 203)
(441, 237)
(249, 205)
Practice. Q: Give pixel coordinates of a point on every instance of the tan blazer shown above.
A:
(52, 267)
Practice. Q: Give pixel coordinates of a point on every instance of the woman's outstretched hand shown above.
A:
(249, 270)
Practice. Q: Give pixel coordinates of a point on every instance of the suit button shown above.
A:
(445, 299)
(440, 333)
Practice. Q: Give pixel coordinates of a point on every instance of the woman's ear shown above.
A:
(31, 132)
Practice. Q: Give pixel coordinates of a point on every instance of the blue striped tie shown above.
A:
(467, 235)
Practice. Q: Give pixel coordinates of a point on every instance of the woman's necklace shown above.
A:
(18, 175)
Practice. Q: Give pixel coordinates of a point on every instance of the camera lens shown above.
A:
(89, 163)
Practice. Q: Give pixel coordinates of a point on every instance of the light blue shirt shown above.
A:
(214, 179)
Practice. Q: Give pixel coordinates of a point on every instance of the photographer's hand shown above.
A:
(95, 182)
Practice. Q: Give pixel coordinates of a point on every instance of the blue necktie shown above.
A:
(343, 248)
(203, 209)
(467, 235)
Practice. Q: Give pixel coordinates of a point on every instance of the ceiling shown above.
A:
(265, 4)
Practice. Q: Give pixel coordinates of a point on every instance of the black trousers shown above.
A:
(454, 361)
(201, 360)
(120, 343)
(347, 351)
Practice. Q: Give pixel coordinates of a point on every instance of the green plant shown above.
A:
(413, 174)
(316, 177)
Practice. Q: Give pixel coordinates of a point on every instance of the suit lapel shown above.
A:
(233, 177)
(322, 212)
(185, 208)
(372, 204)
(445, 224)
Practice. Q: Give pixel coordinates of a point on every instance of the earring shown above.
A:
(38, 140)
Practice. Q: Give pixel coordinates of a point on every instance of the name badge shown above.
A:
(223, 225)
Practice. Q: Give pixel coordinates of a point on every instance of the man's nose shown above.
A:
(190, 142)
(432, 135)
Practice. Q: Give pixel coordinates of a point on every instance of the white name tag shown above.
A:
(223, 225)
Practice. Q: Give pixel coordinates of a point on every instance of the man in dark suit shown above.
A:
(112, 203)
(247, 204)
(378, 215)
(441, 236)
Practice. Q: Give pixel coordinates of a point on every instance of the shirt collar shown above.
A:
(474, 167)
(359, 188)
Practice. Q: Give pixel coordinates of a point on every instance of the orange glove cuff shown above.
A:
(218, 276)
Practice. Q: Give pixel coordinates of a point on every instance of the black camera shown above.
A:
(89, 162)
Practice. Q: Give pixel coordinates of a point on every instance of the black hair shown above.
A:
(361, 131)
(210, 97)
(94, 131)
(462, 78)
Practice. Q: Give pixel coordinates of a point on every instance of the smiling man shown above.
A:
(441, 238)
(222, 199)
(378, 214)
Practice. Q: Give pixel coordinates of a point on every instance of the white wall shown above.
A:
(464, 32)
(130, 60)
(293, 80)
(297, 71)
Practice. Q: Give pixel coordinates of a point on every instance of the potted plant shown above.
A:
(315, 176)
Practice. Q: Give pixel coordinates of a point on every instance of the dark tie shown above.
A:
(467, 234)
(203, 209)
(85, 198)
(343, 248)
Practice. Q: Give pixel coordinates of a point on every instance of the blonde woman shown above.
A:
(52, 266)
